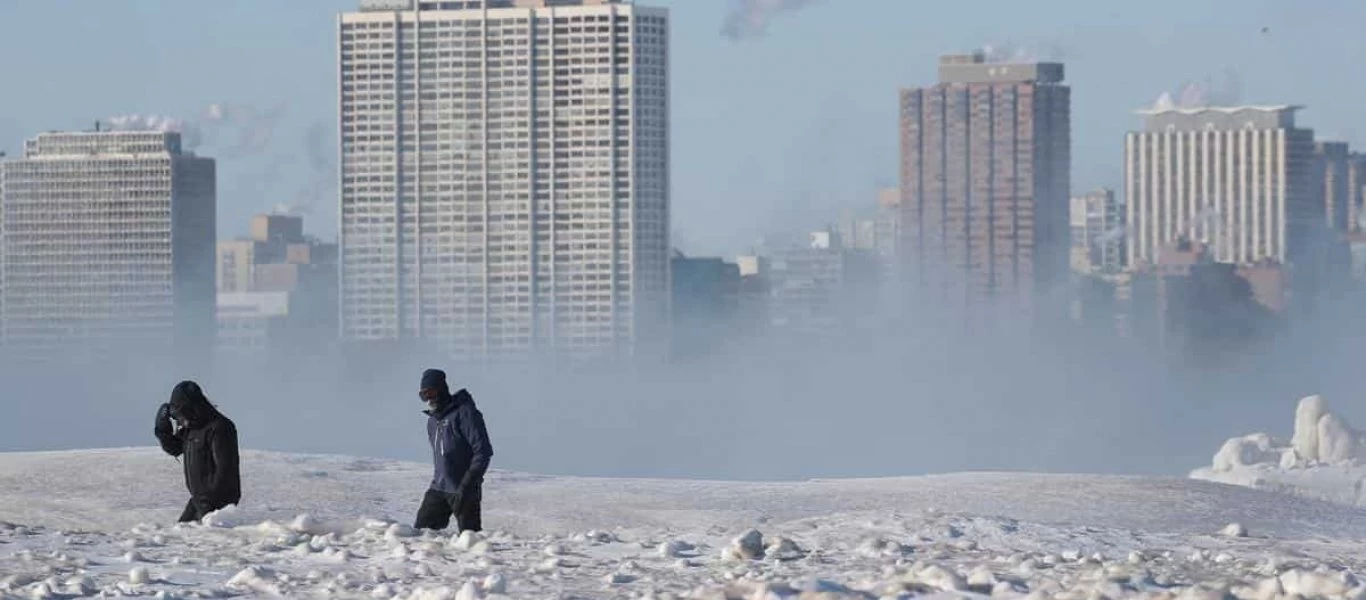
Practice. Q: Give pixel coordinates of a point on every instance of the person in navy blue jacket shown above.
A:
(460, 456)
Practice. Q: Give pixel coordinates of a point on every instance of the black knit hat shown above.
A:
(435, 379)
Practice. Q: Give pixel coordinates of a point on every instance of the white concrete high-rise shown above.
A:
(1235, 178)
(108, 245)
(505, 175)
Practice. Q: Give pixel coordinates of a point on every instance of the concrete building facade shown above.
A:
(108, 244)
(505, 175)
(985, 180)
(1235, 179)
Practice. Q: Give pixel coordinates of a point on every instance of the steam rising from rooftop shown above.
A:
(1002, 53)
(1226, 90)
(751, 18)
(233, 130)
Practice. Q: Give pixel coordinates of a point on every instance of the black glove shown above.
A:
(163, 424)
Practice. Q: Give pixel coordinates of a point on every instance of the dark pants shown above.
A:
(196, 508)
(437, 508)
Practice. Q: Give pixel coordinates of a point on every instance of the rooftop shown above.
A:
(1227, 110)
(388, 5)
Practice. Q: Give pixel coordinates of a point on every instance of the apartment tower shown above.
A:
(985, 168)
(505, 175)
(1235, 179)
(108, 246)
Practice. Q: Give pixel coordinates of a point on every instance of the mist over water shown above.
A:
(908, 396)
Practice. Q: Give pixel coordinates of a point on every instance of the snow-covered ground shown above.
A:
(1323, 459)
(99, 522)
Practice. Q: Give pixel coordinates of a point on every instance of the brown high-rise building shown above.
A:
(985, 182)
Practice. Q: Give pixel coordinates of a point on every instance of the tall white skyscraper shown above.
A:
(1234, 178)
(108, 244)
(505, 175)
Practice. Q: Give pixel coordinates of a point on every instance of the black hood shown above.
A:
(189, 401)
(450, 403)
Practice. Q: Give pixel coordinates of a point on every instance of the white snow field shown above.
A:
(98, 523)
(1322, 459)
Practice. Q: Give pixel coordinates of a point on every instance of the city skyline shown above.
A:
(789, 175)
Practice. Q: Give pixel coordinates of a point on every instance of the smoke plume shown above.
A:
(751, 18)
(322, 170)
(246, 130)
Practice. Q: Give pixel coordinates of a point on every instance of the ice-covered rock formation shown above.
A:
(1325, 458)
(1320, 437)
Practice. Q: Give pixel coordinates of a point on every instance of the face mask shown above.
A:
(433, 404)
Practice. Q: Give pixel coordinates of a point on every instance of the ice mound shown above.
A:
(1325, 458)
(226, 518)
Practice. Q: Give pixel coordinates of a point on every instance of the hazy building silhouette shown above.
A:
(1339, 179)
(985, 181)
(277, 290)
(819, 288)
(1097, 233)
(108, 241)
(1187, 301)
(705, 306)
(505, 176)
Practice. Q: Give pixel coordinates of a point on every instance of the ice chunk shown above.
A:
(255, 579)
(41, 591)
(1338, 443)
(467, 540)
(881, 548)
(399, 531)
(495, 583)
(618, 578)
(469, 591)
(306, 523)
(749, 546)
(139, 576)
(1308, 584)
(940, 578)
(597, 537)
(79, 585)
(1255, 449)
(1307, 415)
(224, 518)
(784, 549)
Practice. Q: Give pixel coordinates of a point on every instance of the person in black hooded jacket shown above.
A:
(461, 453)
(206, 442)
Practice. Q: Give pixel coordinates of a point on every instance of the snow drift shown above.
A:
(1323, 459)
(329, 526)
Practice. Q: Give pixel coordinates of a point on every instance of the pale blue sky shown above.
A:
(767, 132)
